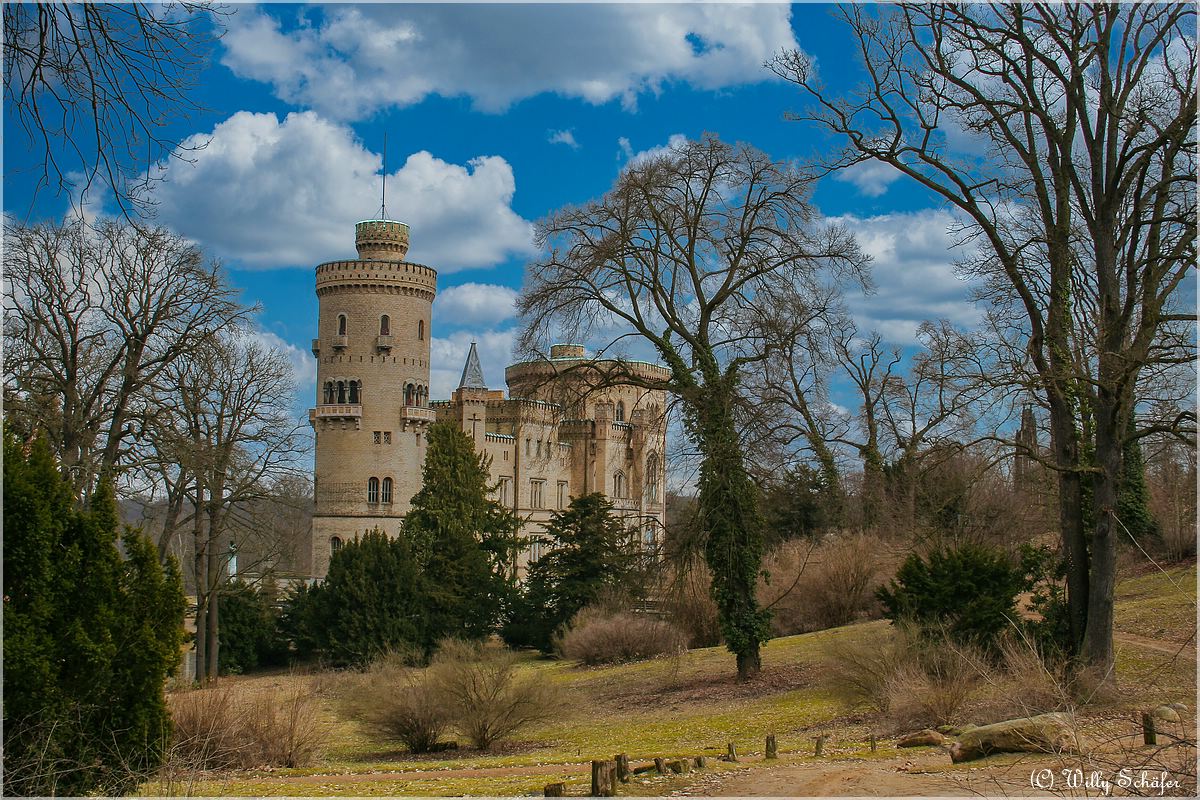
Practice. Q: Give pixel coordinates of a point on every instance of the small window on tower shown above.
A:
(421, 329)
(373, 490)
(387, 437)
(620, 411)
(385, 325)
(341, 324)
(386, 497)
(335, 544)
(377, 437)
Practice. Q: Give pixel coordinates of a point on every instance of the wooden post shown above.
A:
(874, 743)
(623, 772)
(1149, 734)
(555, 790)
(772, 748)
(700, 761)
(821, 744)
(661, 766)
(603, 775)
(732, 754)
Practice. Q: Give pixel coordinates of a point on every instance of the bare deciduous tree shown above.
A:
(94, 86)
(697, 253)
(238, 441)
(94, 314)
(1084, 185)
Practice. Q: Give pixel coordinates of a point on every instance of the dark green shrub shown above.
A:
(249, 634)
(967, 593)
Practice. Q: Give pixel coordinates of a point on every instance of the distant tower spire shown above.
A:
(472, 374)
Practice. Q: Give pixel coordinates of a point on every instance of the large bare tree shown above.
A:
(228, 440)
(94, 315)
(702, 254)
(1080, 191)
(94, 88)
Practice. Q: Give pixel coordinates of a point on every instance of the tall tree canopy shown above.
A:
(1078, 184)
(464, 540)
(709, 255)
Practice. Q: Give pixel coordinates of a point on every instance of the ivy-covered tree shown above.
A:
(89, 638)
(464, 540)
(708, 255)
(590, 552)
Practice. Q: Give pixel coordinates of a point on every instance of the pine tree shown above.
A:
(591, 552)
(90, 638)
(464, 540)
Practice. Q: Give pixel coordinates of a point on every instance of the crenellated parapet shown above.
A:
(376, 277)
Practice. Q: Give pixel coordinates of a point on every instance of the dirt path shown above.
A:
(437, 774)
(1185, 649)
(927, 773)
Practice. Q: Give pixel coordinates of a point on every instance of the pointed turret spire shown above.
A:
(472, 374)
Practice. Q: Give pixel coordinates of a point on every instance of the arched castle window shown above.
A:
(341, 324)
(422, 395)
(327, 397)
(355, 392)
(652, 473)
(373, 490)
(385, 495)
(620, 411)
(620, 489)
(335, 544)
(385, 325)
(341, 391)
(410, 394)
(421, 330)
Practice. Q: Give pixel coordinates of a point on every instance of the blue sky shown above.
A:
(495, 116)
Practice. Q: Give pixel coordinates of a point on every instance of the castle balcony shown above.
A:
(336, 411)
(316, 347)
(383, 342)
(418, 414)
(339, 342)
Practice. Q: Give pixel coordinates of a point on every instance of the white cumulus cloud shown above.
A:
(913, 268)
(474, 304)
(871, 177)
(349, 61)
(566, 137)
(272, 193)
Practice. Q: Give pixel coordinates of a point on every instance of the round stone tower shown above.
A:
(372, 350)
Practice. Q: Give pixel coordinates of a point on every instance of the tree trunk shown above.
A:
(1064, 440)
(200, 586)
(732, 526)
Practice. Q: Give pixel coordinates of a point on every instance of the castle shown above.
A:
(553, 438)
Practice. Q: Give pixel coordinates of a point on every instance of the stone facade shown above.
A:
(555, 437)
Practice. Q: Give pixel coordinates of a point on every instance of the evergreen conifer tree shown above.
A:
(465, 541)
(373, 600)
(90, 638)
(591, 552)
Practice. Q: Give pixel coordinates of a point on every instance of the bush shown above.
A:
(690, 604)
(249, 634)
(967, 593)
(220, 728)
(819, 586)
(599, 637)
(398, 702)
(487, 701)
(914, 680)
